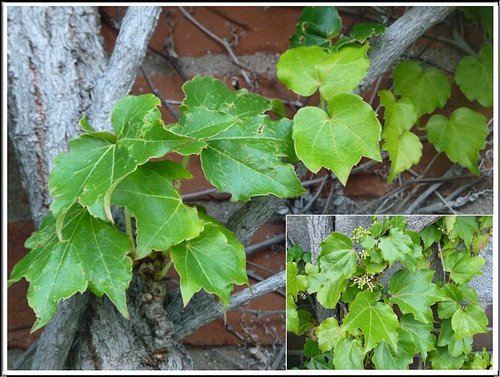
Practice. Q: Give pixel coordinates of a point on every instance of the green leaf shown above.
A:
(474, 76)
(414, 293)
(479, 360)
(465, 227)
(294, 254)
(243, 151)
(93, 255)
(305, 321)
(162, 219)
(295, 283)
(317, 26)
(427, 89)
(469, 321)
(328, 333)
(385, 357)
(292, 317)
(399, 246)
(214, 261)
(461, 136)
(328, 285)
(417, 333)
(447, 338)
(348, 354)
(95, 164)
(446, 309)
(362, 31)
(337, 140)
(430, 235)
(462, 266)
(441, 359)
(376, 320)
(482, 14)
(400, 115)
(305, 69)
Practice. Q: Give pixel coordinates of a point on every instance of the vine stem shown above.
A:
(440, 251)
(164, 270)
(130, 232)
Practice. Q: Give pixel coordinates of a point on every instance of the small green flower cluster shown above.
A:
(359, 232)
(363, 254)
(363, 280)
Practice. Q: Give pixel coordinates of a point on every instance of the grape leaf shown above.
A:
(465, 227)
(93, 255)
(162, 219)
(426, 89)
(317, 26)
(461, 136)
(385, 357)
(447, 338)
(462, 266)
(376, 320)
(214, 261)
(339, 139)
(305, 69)
(243, 150)
(292, 317)
(417, 333)
(474, 76)
(328, 333)
(295, 283)
(399, 246)
(469, 321)
(95, 162)
(414, 293)
(441, 359)
(348, 354)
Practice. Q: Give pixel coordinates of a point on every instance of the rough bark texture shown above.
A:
(399, 36)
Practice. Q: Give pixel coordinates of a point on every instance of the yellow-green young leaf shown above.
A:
(462, 266)
(398, 246)
(213, 261)
(386, 358)
(376, 320)
(404, 150)
(461, 136)
(97, 161)
(427, 89)
(441, 359)
(414, 293)
(244, 152)
(328, 333)
(295, 283)
(400, 115)
(162, 219)
(93, 255)
(474, 76)
(292, 317)
(305, 69)
(417, 333)
(317, 26)
(447, 338)
(469, 321)
(337, 140)
(328, 285)
(348, 354)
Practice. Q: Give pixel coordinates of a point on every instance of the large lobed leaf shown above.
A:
(317, 26)
(93, 255)
(337, 140)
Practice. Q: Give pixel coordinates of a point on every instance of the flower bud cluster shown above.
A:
(363, 280)
(359, 232)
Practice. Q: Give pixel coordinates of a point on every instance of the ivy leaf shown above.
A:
(447, 338)
(462, 266)
(328, 285)
(469, 321)
(337, 140)
(400, 115)
(294, 254)
(214, 261)
(399, 246)
(441, 359)
(93, 255)
(317, 26)
(96, 163)
(414, 293)
(461, 136)
(362, 31)
(385, 357)
(295, 283)
(292, 317)
(307, 69)
(243, 151)
(328, 333)
(446, 309)
(429, 235)
(427, 89)
(376, 320)
(162, 219)
(474, 76)
(465, 227)
(417, 333)
(348, 354)
(305, 321)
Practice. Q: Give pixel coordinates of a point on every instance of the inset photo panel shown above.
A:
(390, 292)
